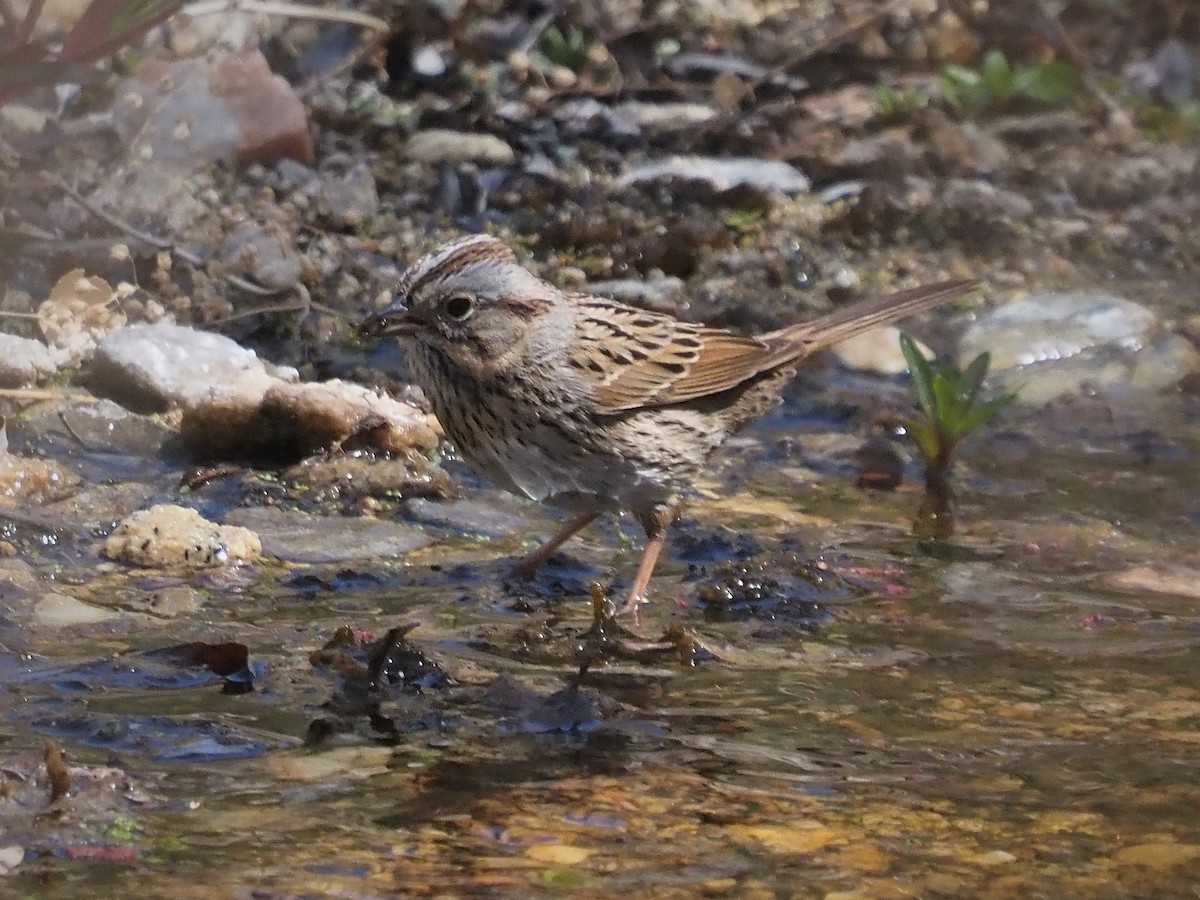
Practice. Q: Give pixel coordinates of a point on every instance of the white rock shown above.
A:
(24, 361)
(721, 173)
(11, 857)
(1051, 345)
(153, 368)
(439, 145)
(665, 117)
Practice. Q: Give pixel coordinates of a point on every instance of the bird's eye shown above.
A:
(458, 306)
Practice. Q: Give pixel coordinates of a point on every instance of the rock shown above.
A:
(11, 856)
(1169, 77)
(439, 145)
(891, 154)
(1129, 180)
(153, 368)
(496, 515)
(24, 361)
(248, 113)
(271, 118)
(78, 312)
(721, 173)
(29, 479)
(263, 251)
(101, 426)
(1040, 128)
(352, 476)
(299, 537)
(1050, 345)
(318, 415)
(876, 351)
(290, 421)
(177, 118)
(169, 602)
(981, 203)
(664, 118)
(60, 611)
(167, 535)
(1178, 581)
(1163, 855)
(587, 116)
(350, 199)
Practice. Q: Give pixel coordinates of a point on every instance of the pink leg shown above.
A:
(530, 563)
(656, 525)
(641, 581)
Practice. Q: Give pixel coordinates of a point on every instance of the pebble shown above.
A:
(264, 252)
(60, 610)
(24, 361)
(1051, 345)
(79, 311)
(721, 173)
(24, 478)
(166, 535)
(298, 537)
(876, 351)
(153, 368)
(1179, 581)
(663, 118)
(440, 145)
(350, 199)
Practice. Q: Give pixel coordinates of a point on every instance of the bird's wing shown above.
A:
(634, 358)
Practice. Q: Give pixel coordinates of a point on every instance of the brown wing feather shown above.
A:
(635, 358)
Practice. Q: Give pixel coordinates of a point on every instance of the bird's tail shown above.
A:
(859, 317)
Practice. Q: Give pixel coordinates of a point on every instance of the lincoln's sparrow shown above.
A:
(587, 403)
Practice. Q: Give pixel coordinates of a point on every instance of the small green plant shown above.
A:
(948, 409)
(565, 46)
(997, 85)
(893, 104)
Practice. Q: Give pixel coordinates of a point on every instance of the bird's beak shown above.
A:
(392, 320)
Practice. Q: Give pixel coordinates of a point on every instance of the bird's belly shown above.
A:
(542, 466)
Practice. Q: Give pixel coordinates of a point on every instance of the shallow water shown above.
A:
(867, 715)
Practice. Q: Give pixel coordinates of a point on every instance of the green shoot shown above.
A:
(997, 86)
(566, 46)
(948, 409)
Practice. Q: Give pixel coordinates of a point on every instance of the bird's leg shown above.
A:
(656, 525)
(530, 563)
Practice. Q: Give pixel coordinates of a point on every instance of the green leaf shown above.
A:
(921, 371)
(946, 405)
(972, 377)
(961, 76)
(925, 437)
(1052, 83)
(997, 75)
(985, 411)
